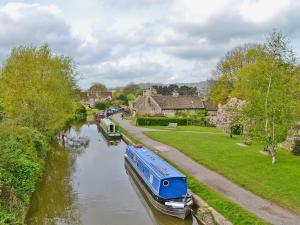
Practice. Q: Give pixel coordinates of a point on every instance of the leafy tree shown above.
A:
(185, 90)
(37, 88)
(227, 70)
(130, 97)
(169, 89)
(229, 116)
(269, 86)
(101, 105)
(131, 89)
(97, 87)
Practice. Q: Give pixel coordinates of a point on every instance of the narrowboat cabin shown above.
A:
(164, 186)
(110, 130)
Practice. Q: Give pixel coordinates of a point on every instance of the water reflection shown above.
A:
(88, 185)
(55, 203)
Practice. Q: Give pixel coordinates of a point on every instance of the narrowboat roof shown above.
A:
(159, 166)
(106, 121)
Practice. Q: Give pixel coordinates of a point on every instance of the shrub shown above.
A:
(164, 121)
(236, 129)
(80, 113)
(296, 147)
(101, 105)
(160, 121)
(22, 151)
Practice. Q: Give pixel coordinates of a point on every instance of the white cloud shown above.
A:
(121, 41)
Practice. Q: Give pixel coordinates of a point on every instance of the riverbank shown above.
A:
(24, 153)
(244, 165)
(219, 184)
(231, 211)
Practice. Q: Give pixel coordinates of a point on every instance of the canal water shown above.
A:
(86, 183)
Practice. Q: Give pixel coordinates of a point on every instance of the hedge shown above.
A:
(164, 121)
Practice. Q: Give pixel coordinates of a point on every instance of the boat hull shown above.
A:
(157, 202)
(109, 135)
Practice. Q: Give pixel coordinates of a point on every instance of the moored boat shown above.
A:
(109, 129)
(164, 186)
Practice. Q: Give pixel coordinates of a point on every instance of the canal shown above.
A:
(86, 183)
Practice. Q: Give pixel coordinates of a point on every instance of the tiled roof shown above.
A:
(105, 94)
(180, 102)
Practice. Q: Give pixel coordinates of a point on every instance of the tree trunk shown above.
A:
(273, 153)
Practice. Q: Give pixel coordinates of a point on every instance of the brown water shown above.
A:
(87, 184)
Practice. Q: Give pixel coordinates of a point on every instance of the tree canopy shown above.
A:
(37, 88)
(97, 87)
(267, 78)
(170, 89)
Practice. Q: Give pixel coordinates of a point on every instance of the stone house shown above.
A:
(211, 109)
(98, 96)
(152, 104)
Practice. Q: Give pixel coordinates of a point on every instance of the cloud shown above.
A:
(117, 42)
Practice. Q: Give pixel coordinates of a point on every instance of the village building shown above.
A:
(97, 96)
(153, 104)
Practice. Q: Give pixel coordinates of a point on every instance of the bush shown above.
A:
(160, 121)
(21, 164)
(236, 129)
(164, 121)
(296, 147)
(80, 113)
(101, 105)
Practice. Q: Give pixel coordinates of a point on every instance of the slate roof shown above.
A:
(179, 102)
(209, 106)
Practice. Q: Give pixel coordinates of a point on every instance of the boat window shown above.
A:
(151, 178)
(166, 183)
(134, 158)
(137, 163)
(143, 169)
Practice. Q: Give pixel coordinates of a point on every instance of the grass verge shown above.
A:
(245, 166)
(229, 209)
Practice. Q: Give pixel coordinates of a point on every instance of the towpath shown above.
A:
(265, 209)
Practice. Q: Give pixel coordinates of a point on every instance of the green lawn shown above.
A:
(244, 165)
(186, 128)
(229, 209)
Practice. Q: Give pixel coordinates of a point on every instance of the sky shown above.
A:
(116, 42)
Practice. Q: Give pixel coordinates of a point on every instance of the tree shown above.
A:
(269, 86)
(188, 91)
(131, 89)
(37, 88)
(96, 88)
(229, 115)
(227, 69)
(101, 105)
(130, 97)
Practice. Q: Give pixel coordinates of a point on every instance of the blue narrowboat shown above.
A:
(164, 186)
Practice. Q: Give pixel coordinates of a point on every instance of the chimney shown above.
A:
(175, 94)
(149, 92)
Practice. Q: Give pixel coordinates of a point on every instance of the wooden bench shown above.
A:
(172, 125)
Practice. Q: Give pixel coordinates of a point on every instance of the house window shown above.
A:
(165, 183)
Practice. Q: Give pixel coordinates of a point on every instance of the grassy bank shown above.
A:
(226, 207)
(245, 166)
